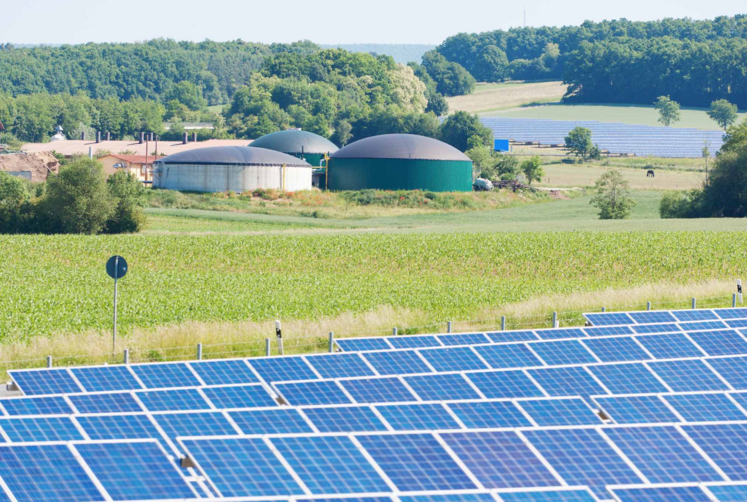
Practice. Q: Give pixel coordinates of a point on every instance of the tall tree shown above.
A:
(532, 169)
(613, 196)
(669, 111)
(723, 113)
(464, 131)
(491, 65)
(578, 142)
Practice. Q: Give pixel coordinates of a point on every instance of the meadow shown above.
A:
(489, 98)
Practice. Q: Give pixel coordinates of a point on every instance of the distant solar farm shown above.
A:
(611, 137)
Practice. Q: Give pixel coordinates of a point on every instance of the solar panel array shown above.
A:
(638, 406)
(613, 137)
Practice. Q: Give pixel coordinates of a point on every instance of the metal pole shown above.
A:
(331, 341)
(127, 356)
(555, 322)
(734, 300)
(503, 323)
(49, 361)
(114, 333)
(199, 352)
(694, 303)
(267, 347)
(280, 346)
(448, 327)
(604, 309)
(394, 331)
(648, 305)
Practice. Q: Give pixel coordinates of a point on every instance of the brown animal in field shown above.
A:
(650, 174)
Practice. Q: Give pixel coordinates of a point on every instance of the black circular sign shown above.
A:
(116, 267)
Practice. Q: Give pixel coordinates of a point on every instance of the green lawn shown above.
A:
(643, 115)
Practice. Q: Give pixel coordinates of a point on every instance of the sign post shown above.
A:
(116, 267)
(279, 334)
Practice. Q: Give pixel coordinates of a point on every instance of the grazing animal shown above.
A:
(650, 174)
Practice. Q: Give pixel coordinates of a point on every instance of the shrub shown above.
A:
(128, 196)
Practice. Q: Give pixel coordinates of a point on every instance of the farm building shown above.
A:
(240, 169)
(302, 144)
(400, 162)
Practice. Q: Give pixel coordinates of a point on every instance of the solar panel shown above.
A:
(25, 430)
(465, 339)
(694, 315)
(651, 317)
(720, 343)
(106, 427)
(224, 372)
(135, 471)
(36, 406)
(413, 342)
(512, 336)
(489, 414)
(563, 352)
(117, 402)
(41, 382)
(637, 409)
(725, 444)
(571, 381)
(418, 417)
(703, 325)
(560, 333)
(361, 344)
(165, 375)
(662, 454)
(740, 398)
(311, 392)
(613, 350)
(400, 362)
(729, 493)
(453, 359)
(609, 331)
(345, 419)
(508, 356)
(688, 375)
(48, 473)
(737, 323)
(283, 369)
(628, 378)
(609, 319)
(106, 378)
(173, 400)
(500, 459)
(270, 421)
(378, 390)
(330, 464)
(661, 494)
(582, 457)
(656, 328)
(549, 496)
(565, 411)
(241, 467)
(340, 365)
(195, 424)
(705, 407)
(239, 396)
(416, 462)
(733, 369)
(497, 384)
(670, 346)
(740, 313)
(449, 497)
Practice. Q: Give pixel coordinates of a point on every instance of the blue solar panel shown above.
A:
(24, 430)
(500, 459)
(36, 406)
(414, 342)
(340, 365)
(272, 421)
(64, 479)
(688, 375)
(378, 390)
(568, 411)
(624, 378)
(242, 467)
(583, 457)
(740, 313)
(729, 493)
(135, 471)
(612, 350)
(657, 328)
(398, 362)
(508, 356)
(652, 317)
(239, 396)
(39, 382)
(106, 378)
(330, 464)
(416, 462)
(512, 336)
(694, 315)
(105, 427)
(737, 323)
(563, 352)
(720, 343)
(319, 392)
(211, 423)
(489, 414)
(662, 454)
(497, 384)
(453, 359)
(173, 400)
(725, 444)
(418, 417)
(465, 339)
(283, 369)
(637, 409)
(733, 369)
(345, 419)
(670, 346)
(450, 497)
(740, 398)
(165, 375)
(560, 333)
(703, 325)
(549, 496)
(118, 402)
(228, 372)
(609, 331)
(573, 381)
(705, 407)
(609, 319)
(358, 344)
(662, 494)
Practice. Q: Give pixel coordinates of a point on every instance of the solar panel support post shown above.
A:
(199, 352)
(49, 361)
(267, 347)
(694, 303)
(648, 305)
(127, 356)
(604, 309)
(394, 331)
(448, 327)
(555, 322)
(503, 323)
(734, 301)
(331, 341)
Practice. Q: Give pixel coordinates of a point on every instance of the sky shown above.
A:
(322, 21)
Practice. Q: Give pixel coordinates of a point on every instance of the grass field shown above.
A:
(575, 175)
(493, 97)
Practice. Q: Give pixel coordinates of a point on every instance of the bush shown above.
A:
(680, 204)
(128, 196)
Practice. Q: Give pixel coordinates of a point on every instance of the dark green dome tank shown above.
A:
(302, 144)
(400, 162)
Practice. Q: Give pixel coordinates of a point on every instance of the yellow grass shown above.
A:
(507, 96)
(578, 175)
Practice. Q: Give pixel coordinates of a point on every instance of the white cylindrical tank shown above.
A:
(241, 169)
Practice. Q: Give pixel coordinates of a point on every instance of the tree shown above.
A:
(483, 162)
(612, 196)
(451, 78)
(532, 169)
(458, 128)
(128, 197)
(342, 133)
(723, 113)
(506, 167)
(578, 142)
(669, 111)
(491, 65)
(725, 196)
(13, 196)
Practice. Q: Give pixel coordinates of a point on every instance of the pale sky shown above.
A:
(322, 21)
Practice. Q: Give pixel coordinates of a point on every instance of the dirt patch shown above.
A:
(558, 195)
(36, 165)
